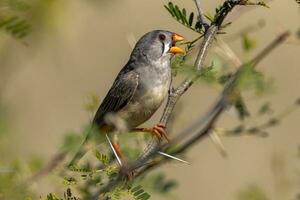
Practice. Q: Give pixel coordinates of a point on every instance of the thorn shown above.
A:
(172, 157)
(114, 151)
(217, 141)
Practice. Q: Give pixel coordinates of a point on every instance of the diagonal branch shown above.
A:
(214, 113)
(174, 95)
(201, 17)
(155, 145)
(217, 110)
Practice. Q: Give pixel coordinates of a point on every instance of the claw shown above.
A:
(129, 173)
(158, 130)
(161, 130)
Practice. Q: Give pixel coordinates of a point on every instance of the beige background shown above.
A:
(46, 83)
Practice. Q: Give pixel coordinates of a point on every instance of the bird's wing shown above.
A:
(118, 96)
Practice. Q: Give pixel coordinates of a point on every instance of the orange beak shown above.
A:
(173, 49)
(177, 38)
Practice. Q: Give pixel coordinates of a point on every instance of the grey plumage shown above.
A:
(142, 84)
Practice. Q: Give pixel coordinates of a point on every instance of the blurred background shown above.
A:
(76, 48)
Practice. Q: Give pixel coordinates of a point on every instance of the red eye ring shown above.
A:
(162, 37)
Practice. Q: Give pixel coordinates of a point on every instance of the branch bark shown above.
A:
(215, 113)
(174, 96)
(216, 110)
(201, 17)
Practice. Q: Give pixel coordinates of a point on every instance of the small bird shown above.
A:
(141, 86)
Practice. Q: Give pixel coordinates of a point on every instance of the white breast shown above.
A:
(149, 95)
(154, 97)
(140, 110)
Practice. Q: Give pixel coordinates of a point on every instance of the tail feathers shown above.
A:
(83, 147)
(80, 153)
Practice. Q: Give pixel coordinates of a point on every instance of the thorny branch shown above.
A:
(143, 164)
(150, 159)
(175, 94)
(201, 17)
(215, 112)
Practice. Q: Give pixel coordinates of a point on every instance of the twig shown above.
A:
(210, 118)
(269, 48)
(224, 50)
(218, 108)
(195, 124)
(201, 17)
(174, 95)
(53, 163)
(217, 111)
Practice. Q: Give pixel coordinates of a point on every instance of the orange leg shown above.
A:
(129, 173)
(119, 152)
(159, 130)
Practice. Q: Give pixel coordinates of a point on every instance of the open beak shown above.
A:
(173, 49)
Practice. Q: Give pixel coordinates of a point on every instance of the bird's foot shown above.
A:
(159, 130)
(127, 172)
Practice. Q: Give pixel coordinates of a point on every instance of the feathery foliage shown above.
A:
(184, 17)
(101, 167)
(12, 18)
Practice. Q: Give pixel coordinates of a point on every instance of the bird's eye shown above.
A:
(162, 37)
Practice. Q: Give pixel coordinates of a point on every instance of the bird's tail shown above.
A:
(82, 149)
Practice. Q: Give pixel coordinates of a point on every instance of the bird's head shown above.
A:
(158, 44)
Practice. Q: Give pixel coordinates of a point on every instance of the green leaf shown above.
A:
(191, 18)
(224, 78)
(144, 196)
(104, 159)
(263, 4)
(169, 10)
(238, 130)
(136, 188)
(249, 78)
(7, 20)
(226, 25)
(92, 104)
(178, 13)
(209, 17)
(241, 107)
(248, 43)
(67, 196)
(16, 5)
(52, 196)
(171, 7)
(140, 191)
(15, 26)
(183, 12)
(183, 15)
(69, 181)
(252, 192)
(265, 108)
(198, 25)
